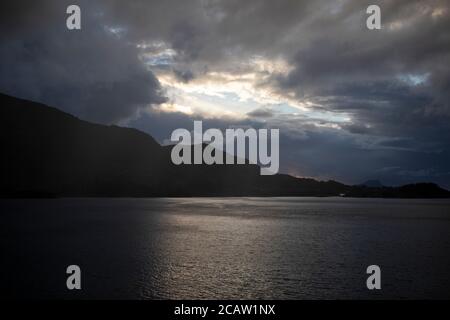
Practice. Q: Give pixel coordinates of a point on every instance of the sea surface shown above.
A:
(225, 248)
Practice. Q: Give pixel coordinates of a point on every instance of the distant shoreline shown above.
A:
(47, 153)
(218, 196)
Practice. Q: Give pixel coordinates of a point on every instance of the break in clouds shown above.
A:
(351, 104)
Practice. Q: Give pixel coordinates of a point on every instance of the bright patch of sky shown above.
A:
(414, 79)
(116, 31)
(157, 54)
(218, 94)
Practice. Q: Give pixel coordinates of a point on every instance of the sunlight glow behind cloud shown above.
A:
(233, 93)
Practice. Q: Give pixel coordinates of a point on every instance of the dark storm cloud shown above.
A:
(393, 83)
(380, 77)
(261, 113)
(91, 73)
(184, 75)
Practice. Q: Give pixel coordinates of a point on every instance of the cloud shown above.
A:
(348, 101)
(261, 113)
(91, 73)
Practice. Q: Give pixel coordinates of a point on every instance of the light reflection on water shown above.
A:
(237, 248)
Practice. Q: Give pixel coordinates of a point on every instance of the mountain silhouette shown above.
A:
(372, 183)
(49, 153)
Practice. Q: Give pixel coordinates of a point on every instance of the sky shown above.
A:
(351, 104)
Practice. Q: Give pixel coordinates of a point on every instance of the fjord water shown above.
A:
(220, 248)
